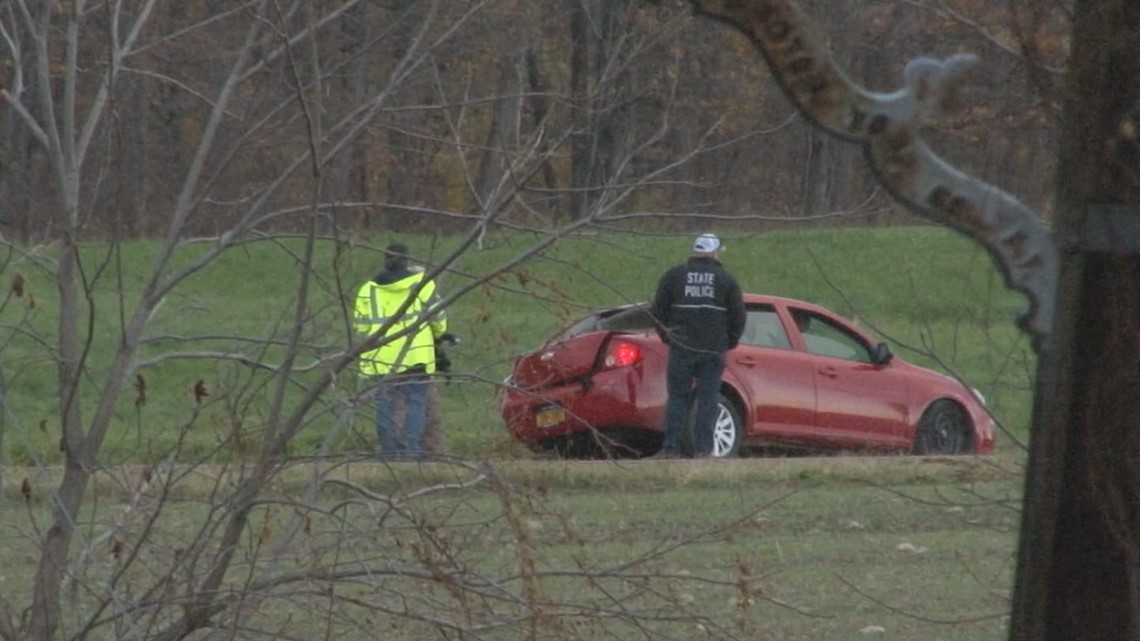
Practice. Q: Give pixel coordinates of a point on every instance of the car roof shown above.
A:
(749, 299)
(767, 298)
(759, 299)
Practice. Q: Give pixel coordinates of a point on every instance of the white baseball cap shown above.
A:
(706, 244)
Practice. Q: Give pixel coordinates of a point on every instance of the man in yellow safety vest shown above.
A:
(403, 363)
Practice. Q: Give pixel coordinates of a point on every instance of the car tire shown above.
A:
(728, 430)
(944, 429)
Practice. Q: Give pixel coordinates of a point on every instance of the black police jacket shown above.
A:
(698, 305)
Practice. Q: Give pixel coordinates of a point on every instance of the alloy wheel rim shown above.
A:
(724, 433)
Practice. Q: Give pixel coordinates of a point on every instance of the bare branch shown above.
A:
(911, 615)
(889, 128)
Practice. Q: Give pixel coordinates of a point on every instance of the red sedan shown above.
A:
(802, 377)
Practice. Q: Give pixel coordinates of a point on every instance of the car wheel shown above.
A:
(728, 430)
(943, 429)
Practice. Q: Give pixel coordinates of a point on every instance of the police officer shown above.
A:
(700, 315)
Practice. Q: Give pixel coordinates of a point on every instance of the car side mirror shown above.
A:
(881, 355)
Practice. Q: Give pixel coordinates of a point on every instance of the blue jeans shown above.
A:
(409, 440)
(692, 377)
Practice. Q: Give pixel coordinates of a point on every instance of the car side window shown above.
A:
(762, 328)
(826, 338)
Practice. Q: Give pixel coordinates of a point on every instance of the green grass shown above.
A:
(891, 548)
(931, 293)
(764, 548)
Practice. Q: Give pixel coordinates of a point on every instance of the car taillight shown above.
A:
(621, 354)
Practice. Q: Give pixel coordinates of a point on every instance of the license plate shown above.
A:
(549, 417)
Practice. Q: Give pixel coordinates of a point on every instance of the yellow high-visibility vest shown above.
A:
(377, 303)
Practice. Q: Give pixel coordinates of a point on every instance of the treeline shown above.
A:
(431, 115)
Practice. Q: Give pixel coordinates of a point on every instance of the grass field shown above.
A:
(894, 548)
(930, 293)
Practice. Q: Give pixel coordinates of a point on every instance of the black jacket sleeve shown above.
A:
(736, 313)
(662, 305)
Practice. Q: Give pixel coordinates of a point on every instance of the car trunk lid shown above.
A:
(560, 362)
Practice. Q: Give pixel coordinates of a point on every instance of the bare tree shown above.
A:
(240, 557)
(889, 128)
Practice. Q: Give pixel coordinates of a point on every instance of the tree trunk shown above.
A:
(820, 169)
(538, 89)
(359, 83)
(21, 172)
(502, 135)
(581, 142)
(1078, 574)
(123, 203)
(400, 175)
(16, 159)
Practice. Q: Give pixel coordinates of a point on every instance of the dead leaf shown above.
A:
(200, 391)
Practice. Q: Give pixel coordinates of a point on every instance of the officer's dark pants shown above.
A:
(693, 376)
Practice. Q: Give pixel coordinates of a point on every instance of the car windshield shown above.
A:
(631, 318)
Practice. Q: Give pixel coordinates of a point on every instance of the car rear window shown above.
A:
(620, 319)
(628, 319)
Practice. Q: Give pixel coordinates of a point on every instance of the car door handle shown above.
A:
(829, 372)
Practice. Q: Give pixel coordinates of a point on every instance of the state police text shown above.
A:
(700, 285)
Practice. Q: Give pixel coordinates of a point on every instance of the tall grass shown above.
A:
(932, 294)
